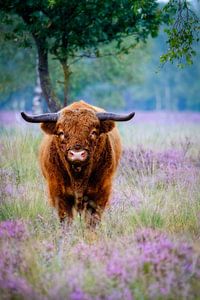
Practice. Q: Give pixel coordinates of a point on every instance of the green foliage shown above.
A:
(167, 87)
(94, 38)
(67, 27)
(71, 29)
(104, 80)
(183, 33)
(17, 61)
(14, 29)
(113, 82)
(15, 65)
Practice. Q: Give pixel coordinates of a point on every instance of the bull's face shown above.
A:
(77, 133)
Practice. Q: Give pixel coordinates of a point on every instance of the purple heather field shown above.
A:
(148, 244)
(13, 117)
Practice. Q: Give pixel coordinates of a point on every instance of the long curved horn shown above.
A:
(49, 117)
(103, 116)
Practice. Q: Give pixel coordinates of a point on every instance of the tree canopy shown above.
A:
(70, 30)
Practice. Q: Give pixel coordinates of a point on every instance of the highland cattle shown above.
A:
(79, 155)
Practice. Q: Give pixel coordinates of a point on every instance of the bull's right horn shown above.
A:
(103, 116)
(49, 117)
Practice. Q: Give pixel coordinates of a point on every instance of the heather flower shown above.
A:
(122, 262)
(14, 229)
(144, 160)
(116, 266)
(166, 118)
(11, 264)
(79, 294)
(168, 266)
(49, 251)
(124, 198)
(14, 286)
(139, 160)
(76, 276)
(86, 252)
(169, 263)
(7, 178)
(120, 294)
(151, 168)
(9, 117)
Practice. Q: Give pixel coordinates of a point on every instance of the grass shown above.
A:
(138, 250)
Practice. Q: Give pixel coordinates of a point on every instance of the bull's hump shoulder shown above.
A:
(78, 105)
(82, 104)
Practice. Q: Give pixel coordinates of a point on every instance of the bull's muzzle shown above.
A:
(77, 155)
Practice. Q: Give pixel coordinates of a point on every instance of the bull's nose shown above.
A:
(80, 155)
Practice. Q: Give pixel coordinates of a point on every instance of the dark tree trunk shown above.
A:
(49, 95)
(43, 68)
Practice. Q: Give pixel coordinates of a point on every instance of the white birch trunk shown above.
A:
(37, 98)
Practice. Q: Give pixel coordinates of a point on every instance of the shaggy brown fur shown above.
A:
(83, 186)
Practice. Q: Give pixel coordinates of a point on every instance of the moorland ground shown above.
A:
(148, 244)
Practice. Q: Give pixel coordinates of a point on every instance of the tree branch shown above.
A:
(101, 55)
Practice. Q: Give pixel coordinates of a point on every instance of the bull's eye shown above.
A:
(61, 135)
(93, 134)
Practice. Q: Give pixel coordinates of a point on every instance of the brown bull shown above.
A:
(79, 156)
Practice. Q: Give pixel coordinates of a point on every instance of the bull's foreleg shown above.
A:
(64, 207)
(62, 202)
(92, 216)
(95, 207)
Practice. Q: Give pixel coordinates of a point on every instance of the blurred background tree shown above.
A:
(104, 51)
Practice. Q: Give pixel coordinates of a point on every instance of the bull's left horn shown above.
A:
(49, 117)
(103, 116)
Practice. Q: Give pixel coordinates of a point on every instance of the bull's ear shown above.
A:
(49, 127)
(106, 126)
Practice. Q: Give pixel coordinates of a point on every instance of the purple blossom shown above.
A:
(120, 294)
(167, 265)
(161, 117)
(120, 264)
(166, 118)
(15, 286)
(168, 262)
(11, 265)
(158, 168)
(14, 229)
(7, 178)
(79, 294)
(144, 160)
